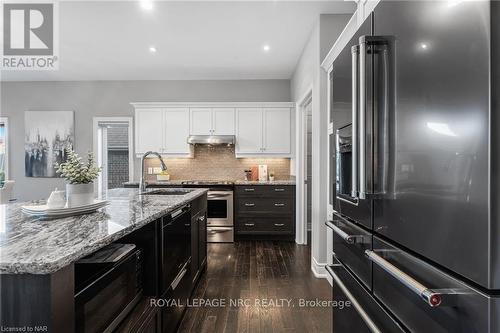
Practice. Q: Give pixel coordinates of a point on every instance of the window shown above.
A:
(113, 151)
(4, 149)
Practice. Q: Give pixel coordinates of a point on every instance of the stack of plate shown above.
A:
(46, 212)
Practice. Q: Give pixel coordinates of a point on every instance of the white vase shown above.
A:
(79, 194)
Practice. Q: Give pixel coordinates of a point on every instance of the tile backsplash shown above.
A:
(217, 163)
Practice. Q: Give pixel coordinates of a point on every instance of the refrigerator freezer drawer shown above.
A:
(364, 313)
(426, 299)
(220, 234)
(349, 245)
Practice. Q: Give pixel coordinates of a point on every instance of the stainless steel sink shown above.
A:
(167, 192)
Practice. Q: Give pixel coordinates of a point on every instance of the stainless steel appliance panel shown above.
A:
(220, 234)
(436, 199)
(345, 90)
(363, 313)
(349, 245)
(426, 299)
(220, 208)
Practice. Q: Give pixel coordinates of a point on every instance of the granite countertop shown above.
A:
(34, 246)
(288, 181)
(156, 182)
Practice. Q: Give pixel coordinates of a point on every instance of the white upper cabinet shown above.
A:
(249, 131)
(212, 121)
(148, 130)
(223, 121)
(163, 130)
(277, 131)
(176, 125)
(201, 121)
(261, 129)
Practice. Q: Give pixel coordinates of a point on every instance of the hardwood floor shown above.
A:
(254, 271)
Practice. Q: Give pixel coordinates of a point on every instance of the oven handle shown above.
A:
(366, 318)
(218, 230)
(214, 196)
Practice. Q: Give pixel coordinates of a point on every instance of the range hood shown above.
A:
(211, 139)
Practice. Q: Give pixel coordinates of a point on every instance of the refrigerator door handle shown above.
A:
(350, 239)
(433, 297)
(362, 119)
(366, 318)
(354, 166)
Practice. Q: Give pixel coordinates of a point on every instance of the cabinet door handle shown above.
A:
(249, 224)
(202, 218)
(249, 204)
(279, 204)
(249, 190)
(279, 190)
(279, 224)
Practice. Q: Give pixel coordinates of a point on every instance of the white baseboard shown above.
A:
(318, 269)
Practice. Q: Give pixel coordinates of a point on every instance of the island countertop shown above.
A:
(33, 246)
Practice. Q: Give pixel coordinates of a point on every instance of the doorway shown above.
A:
(304, 168)
(113, 151)
(308, 164)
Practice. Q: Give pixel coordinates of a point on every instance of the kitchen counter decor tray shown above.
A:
(43, 211)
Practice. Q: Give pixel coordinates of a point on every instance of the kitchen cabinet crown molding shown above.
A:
(213, 104)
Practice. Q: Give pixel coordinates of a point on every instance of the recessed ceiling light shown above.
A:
(423, 46)
(152, 49)
(266, 48)
(147, 4)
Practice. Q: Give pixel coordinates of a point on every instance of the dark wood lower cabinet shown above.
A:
(165, 315)
(265, 211)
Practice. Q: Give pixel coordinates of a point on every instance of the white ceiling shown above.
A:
(194, 40)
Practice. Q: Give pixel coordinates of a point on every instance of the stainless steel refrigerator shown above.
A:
(415, 106)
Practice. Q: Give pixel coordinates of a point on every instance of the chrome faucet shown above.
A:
(142, 182)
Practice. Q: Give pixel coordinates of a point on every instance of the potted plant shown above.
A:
(80, 178)
(271, 176)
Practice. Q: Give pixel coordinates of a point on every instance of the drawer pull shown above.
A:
(350, 239)
(249, 224)
(366, 318)
(279, 224)
(249, 204)
(249, 190)
(279, 204)
(433, 297)
(279, 190)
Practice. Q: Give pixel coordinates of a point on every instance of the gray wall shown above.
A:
(309, 74)
(109, 98)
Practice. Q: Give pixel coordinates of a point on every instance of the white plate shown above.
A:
(44, 211)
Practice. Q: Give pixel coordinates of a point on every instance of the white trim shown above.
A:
(129, 120)
(318, 269)
(213, 104)
(365, 8)
(5, 121)
(300, 166)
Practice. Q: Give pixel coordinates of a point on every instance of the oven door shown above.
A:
(220, 208)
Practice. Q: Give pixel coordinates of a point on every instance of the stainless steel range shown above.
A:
(220, 216)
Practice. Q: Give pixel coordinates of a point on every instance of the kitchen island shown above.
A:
(37, 257)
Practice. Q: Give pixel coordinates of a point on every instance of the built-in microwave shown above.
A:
(345, 181)
(108, 284)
